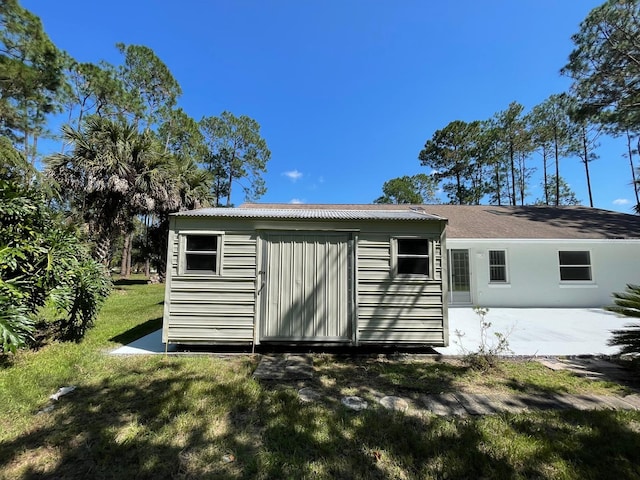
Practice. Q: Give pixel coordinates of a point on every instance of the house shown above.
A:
(539, 256)
(289, 274)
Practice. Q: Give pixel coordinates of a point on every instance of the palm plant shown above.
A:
(627, 304)
(112, 174)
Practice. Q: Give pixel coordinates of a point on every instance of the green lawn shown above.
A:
(205, 417)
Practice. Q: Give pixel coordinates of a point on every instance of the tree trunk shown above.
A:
(557, 154)
(230, 180)
(585, 152)
(633, 171)
(546, 177)
(102, 250)
(125, 263)
(129, 254)
(513, 174)
(498, 184)
(522, 178)
(229, 192)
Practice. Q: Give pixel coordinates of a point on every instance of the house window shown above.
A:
(575, 266)
(497, 266)
(201, 254)
(413, 256)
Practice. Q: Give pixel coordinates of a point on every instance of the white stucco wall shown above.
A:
(534, 275)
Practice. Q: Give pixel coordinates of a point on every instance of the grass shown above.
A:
(206, 417)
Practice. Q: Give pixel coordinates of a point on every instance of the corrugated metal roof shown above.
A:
(311, 214)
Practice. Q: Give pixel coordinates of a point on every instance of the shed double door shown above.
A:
(306, 287)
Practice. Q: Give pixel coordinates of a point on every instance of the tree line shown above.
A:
(493, 160)
(128, 157)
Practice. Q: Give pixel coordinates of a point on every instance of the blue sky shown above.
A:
(347, 92)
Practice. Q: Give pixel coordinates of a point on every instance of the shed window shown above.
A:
(201, 254)
(575, 266)
(413, 256)
(497, 266)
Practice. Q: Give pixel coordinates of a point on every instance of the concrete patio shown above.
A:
(537, 331)
(531, 332)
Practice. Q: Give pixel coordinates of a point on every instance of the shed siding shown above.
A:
(398, 310)
(217, 308)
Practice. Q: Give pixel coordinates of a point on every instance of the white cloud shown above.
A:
(621, 201)
(293, 175)
(296, 201)
(321, 179)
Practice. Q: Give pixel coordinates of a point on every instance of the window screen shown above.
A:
(497, 266)
(413, 256)
(201, 254)
(575, 265)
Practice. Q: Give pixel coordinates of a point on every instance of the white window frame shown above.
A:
(395, 255)
(589, 266)
(182, 258)
(504, 266)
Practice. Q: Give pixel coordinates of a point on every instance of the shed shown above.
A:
(330, 275)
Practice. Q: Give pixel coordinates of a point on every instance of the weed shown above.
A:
(486, 356)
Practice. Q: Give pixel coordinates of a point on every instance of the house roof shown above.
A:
(491, 221)
(327, 212)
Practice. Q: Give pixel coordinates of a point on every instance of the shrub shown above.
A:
(42, 261)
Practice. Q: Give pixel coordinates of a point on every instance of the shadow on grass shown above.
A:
(596, 444)
(6, 360)
(129, 281)
(179, 418)
(138, 331)
(403, 378)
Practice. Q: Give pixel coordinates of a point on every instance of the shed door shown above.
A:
(306, 287)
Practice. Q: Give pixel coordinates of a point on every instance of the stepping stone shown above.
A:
(578, 402)
(355, 403)
(394, 403)
(284, 368)
(476, 404)
(539, 402)
(612, 402)
(552, 364)
(269, 368)
(309, 395)
(443, 405)
(513, 404)
(633, 400)
(507, 403)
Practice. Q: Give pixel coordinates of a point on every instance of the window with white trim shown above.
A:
(412, 256)
(575, 266)
(497, 266)
(201, 254)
